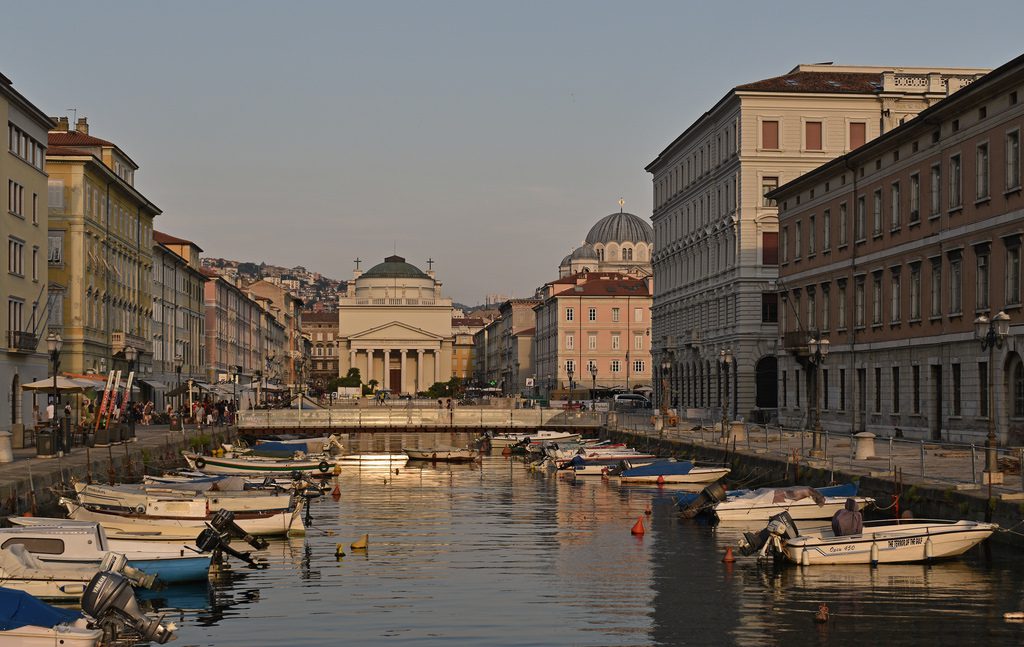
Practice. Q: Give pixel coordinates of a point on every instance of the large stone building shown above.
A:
(597, 328)
(179, 319)
(891, 252)
(505, 348)
(287, 309)
(716, 234)
(396, 327)
(100, 253)
(322, 330)
(463, 349)
(23, 284)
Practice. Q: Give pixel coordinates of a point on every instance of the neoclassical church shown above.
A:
(395, 327)
(620, 242)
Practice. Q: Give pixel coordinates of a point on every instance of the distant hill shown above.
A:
(318, 292)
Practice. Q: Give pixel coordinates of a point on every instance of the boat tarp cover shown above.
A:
(770, 496)
(662, 468)
(684, 499)
(19, 609)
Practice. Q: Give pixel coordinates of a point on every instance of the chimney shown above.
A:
(82, 125)
(62, 124)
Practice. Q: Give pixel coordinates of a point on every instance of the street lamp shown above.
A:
(178, 361)
(666, 370)
(130, 354)
(53, 344)
(725, 357)
(569, 373)
(817, 348)
(593, 379)
(991, 334)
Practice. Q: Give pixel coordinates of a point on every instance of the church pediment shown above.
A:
(395, 330)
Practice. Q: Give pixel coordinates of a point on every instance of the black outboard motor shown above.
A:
(707, 498)
(110, 600)
(780, 526)
(209, 540)
(223, 522)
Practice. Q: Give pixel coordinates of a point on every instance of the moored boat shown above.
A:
(257, 465)
(508, 439)
(668, 472)
(26, 621)
(442, 454)
(152, 499)
(21, 570)
(803, 503)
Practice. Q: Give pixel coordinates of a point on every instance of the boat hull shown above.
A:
(892, 543)
(442, 455)
(64, 635)
(802, 510)
(507, 440)
(214, 465)
(694, 476)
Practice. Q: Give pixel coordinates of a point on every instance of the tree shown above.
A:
(453, 388)
(370, 387)
(352, 378)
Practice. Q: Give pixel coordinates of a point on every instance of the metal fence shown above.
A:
(385, 417)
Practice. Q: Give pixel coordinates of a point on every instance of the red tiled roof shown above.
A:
(527, 331)
(68, 151)
(308, 316)
(75, 138)
(208, 272)
(831, 82)
(593, 276)
(623, 287)
(167, 239)
(467, 321)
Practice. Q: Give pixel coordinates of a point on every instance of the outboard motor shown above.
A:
(110, 600)
(223, 522)
(707, 498)
(780, 528)
(118, 563)
(209, 540)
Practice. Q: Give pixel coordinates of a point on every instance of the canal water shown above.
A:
(494, 553)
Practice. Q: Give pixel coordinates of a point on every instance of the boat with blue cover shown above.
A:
(26, 621)
(668, 471)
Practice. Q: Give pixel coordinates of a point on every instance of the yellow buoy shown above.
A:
(361, 544)
(339, 551)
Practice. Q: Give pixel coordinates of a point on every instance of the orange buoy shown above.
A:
(822, 614)
(27, 513)
(729, 558)
(661, 480)
(336, 492)
(638, 527)
(507, 451)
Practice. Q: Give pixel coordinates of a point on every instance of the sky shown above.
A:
(488, 136)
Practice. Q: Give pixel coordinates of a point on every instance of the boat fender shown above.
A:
(141, 509)
(200, 462)
(874, 554)
(323, 467)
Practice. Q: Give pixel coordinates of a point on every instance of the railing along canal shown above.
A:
(419, 418)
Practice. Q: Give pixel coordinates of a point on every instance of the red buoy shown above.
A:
(661, 480)
(336, 492)
(638, 527)
(728, 559)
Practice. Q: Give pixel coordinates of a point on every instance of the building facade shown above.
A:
(463, 350)
(179, 317)
(515, 346)
(597, 327)
(716, 234)
(322, 330)
(287, 309)
(890, 253)
(395, 326)
(99, 252)
(23, 285)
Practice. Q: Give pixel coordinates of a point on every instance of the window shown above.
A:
(638, 314)
(15, 198)
(639, 366)
(770, 135)
(1018, 390)
(894, 208)
(955, 286)
(936, 182)
(826, 230)
(591, 366)
(1013, 160)
(797, 240)
(841, 307)
(956, 390)
(877, 221)
(35, 263)
(915, 375)
(936, 287)
(983, 389)
(796, 383)
(810, 236)
(638, 342)
(861, 224)
(915, 198)
(895, 389)
(592, 341)
(824, 388)
(876, 299)
(627, 253)
(616, 366)
(894, 297)
(981, 283)
(858, 303)
(592, 314)
(768, 184)
(842, 389)
(770, 248)
(16, 256)
(825, 308)
(785, 389)
(15, 311)
(1013, 275)
(812, 135)
(842, 224)
(858, 134)
(878, 389)
(615, 314)
(570, 342)
(35, 208)
(915, 291)
(569, 314)
(785, 244)
(811, 310)
(615, 341)
(769, 307)
(955, 183)
(981, 172)
(570, 366)
(55, 194)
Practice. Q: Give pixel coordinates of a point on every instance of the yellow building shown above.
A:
(23, 176)
(100, 252)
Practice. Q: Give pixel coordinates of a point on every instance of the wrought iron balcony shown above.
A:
(21, 342)
(795, 341)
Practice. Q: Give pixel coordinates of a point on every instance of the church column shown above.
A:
(401, 371)
(369, 365)
(419, 370)
(385, 378)
(437, 365)
(351, 358)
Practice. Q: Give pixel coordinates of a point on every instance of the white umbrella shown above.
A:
(65, 384)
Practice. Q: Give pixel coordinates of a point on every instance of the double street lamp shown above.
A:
(54, 343)
(817, 348)
(666, 370)
(593, 379)
(725, 357)
(569, 374)
(991, 333)
(178, 361)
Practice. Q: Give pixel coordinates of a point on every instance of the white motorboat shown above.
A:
(802, 503)
(152, 499)
(373, 458)
(668, 472)
(507, 440)
(33, 623)
(884, 541)
(257, 465)
(443, 454)
(184, 520)
(86, 543)
(21, 570)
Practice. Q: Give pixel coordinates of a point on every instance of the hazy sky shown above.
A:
(489, 136)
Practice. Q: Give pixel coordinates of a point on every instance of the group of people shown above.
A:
(207, 411)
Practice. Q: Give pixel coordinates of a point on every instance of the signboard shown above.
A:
(530, 382)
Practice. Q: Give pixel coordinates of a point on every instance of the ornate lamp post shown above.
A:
(131, 354)
(991, 334)
(593, 379)
(178, 361)
(666, 370)
(725, 357)
(569, 374)
(817, 347)
(53, 344)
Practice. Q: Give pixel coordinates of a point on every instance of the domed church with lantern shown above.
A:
(620, 242)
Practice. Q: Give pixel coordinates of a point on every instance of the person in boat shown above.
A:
(848, 521)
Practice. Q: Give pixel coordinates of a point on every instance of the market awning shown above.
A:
(155, 384)
(65, 384)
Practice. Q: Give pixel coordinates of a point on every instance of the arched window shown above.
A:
(600, 253)
(627, 253)
(1018, 390)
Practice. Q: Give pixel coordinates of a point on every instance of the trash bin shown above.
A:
(102, 437)
(6, 451)
(57, 440)
(44, 444)
(66, 430)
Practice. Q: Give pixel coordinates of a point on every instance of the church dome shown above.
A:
(584, 252)
(395, 267)
(621, 227)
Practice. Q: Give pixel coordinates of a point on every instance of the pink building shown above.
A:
(595, 327)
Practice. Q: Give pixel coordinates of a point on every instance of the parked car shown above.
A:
(630, 401)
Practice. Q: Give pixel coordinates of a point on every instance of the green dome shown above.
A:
(395, 267)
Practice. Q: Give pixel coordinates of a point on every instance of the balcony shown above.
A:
(21, 342)
(119, 340)
(795, 341)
